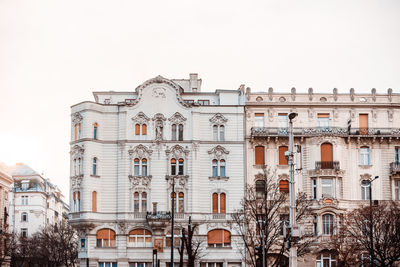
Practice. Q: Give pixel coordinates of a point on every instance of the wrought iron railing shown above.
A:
(159, 215)
(395, 167)
(330, 165)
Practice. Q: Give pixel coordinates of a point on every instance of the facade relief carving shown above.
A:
(218, 152)
(218, 119)
(159, 120)
(77, 117)
(141, 118)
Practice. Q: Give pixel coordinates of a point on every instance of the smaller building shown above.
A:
(34, 202)
(5, 185)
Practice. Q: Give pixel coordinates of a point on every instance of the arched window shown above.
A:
(260, 188)
(24, 217)
(219, 238)
(218, 203)
(364, 155)
(222, 168)
(221, 133)
(180, 171)
(105, 238)
(283, 160)
(136, 202)
(144, 167)
(284, 186)
(259, 156)
(215, 132)
(144, 129)
(173, 132)
(137, 129)
(181, 202)
(173, 167)
(136, 163)
(94, 167)
(144, 202)
(76, 196)
(327, 224)
(95, 127)
(215, 167)
(327, 259)
(77, 131)
(94, 201)
(365, 193)
(180, 134)
(140, 238)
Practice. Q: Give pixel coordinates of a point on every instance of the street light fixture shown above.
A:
(371, 234)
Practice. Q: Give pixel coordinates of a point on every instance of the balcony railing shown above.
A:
(159, 215)
(327, 165)
(19, 189)
(324, 131)
(395, 167)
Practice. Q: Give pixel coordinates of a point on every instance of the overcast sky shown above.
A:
(53, 54)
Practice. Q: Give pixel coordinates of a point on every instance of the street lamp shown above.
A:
(172, 218)
(292, 194)
(371, 235)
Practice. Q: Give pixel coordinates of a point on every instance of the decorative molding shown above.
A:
(77, 151)
(390, 92)
(77, 117)
(76, 182)
(141, 118)
(310, 94)
(365, 176)
(373, 93)
(283, 176)
(159, 92)
(390, 115)
(140, 183)
(293, 93)
(177, 151)
(140, 151)
(159, 125)
(270, 93)
(181, 182)
(218, 119)
(335, 94)
(352, 94)
(177, 118)
(218, 152)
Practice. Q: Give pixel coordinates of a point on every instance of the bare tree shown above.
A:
(265, 201)
(356, 227)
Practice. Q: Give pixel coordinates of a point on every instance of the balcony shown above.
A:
(395, 167)
(158, 219)
(35, 189)
(326, 168)
(325, 131)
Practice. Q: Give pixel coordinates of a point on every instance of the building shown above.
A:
(128, 148)
(34, 202)
(343, 140)
(5, 185)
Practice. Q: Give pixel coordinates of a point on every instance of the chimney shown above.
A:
(194, 82)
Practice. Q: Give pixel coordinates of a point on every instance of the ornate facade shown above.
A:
(5, 186)
(129, 148)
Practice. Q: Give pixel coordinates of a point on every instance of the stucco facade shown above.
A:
(343, 140)
(128, 147)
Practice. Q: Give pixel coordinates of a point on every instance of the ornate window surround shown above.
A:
(219, 153)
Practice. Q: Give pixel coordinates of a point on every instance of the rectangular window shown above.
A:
(284, 221)
(364, 156)
(83, 242)
(397, 189)
(397, 154)
(108, 264)
(24, 200)
(140, 264)
(323, 121)
(204, 102)
(259, 120)
(363, 123)
(315, 225)
(327, 188)
(260, 155)
(314, 188)
(24, 232)
(283, 160)
(283, 123)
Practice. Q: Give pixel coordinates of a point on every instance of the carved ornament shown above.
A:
(218, 152)
(218, 119)
(141, 118)
(177, 118)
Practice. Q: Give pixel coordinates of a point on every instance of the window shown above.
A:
(363, 123)
(204, 102)
(323, 121)
(108, 264)
(283, 123)
(260, 155)
(177, 132)
(284, 222)
(95, 127)
(397, 155)
(137, 129)
(76, 196)
(212, 264)
(140, 167)
(77, 131)
(189, 101)
(179, 203)
(219, 238)
(397, 189)
(140, 129)
(260, 188)
(94, 166)
(327, 187)
(259, 120)
(218, 203)
(219, 133)
(140, 202)
(24, 200)
(177, 169)
(24, 217)
(218, 165)
(140, 264)
(144, 129)
(284, 186)
(315, 225)
(314, 188)
(24, 232)
(283, 160)
(140, 238)
(327, 223)
(177, 240)
(364, 155)
(105, 238)
(94, 201)
(365, 194)
(326, 156)
(327, 260)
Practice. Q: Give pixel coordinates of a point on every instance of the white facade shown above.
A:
(34, 202)
(363, 131)
(5, 186)
(123, 152)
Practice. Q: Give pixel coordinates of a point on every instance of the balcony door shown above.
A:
(363, 121)
(326, 156)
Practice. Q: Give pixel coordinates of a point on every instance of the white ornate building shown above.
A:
(34, 201)
(343, 140)
(5, 186)
(126, 150)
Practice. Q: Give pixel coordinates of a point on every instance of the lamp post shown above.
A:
(172, 219)
(371, 234)
(292, 194)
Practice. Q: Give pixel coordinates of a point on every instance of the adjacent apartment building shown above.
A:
(130, 149)
(5, 186)
(343, 142)
(34, 201)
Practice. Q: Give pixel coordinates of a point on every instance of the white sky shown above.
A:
(53, 54)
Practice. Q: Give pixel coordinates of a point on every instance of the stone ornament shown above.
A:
(293, 93)
(77, 117)
(310, 94)
(140, 152)
(390, 92)
(177, 152)
(177, 118)
(373, 93)
(159, 125)
(76, 182)
(270, 93)
(141, 118)
(352, 94)
(218, 152)
(390, 115)
(335, 94)
(218, 119)
(158, 92)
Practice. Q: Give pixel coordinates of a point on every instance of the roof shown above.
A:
(22, 170)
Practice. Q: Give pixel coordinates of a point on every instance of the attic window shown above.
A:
(259, 99)
(323, 99)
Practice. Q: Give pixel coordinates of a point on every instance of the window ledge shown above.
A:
(258, 166)
(105, 247)
(283, 166)
(230, 247)
(365, 166)
(223, 178)
(95, 176)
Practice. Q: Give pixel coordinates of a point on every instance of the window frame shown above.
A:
(218, 203)
(365, 187)
(223, 244)
(24, 217)
(259, 121)
(95, 130)
(365, 158)
(94, 166)
(328, 224)
(136, 243)
(111, 243)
